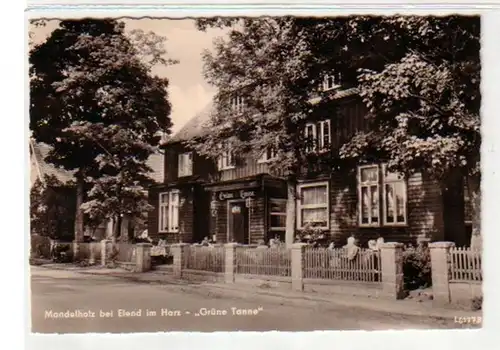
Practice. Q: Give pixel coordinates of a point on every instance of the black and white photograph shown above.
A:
(274, 173)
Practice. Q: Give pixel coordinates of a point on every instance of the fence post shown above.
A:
(104, 250)
(298, 257)
(76, 250)
(143, 257)
(392, 270)
(230, 262)
(440, 271)
(179, 251)
(91, 254)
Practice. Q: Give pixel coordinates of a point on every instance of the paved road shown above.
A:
(94, 303)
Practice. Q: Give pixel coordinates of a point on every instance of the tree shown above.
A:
(94, 100)
(262, 61)
(52, 208)
(424, 101)
(419, 76)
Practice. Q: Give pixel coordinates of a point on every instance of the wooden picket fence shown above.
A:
(465, 265)
(333, 264)
(205, 258)
(275, 261)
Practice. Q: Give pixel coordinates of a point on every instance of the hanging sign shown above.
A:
(248, 202)
(236, 209)
(213, 205)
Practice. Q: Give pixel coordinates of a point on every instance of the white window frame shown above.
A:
(172, 209)
(388, 181)
(226, 161)
(335, 82)
(326, 205)
(237, 104)
(381, 182)
(267, 156)
(321, 139)
(186, 159)
(313, 138)
(368, 185)
(275, 213)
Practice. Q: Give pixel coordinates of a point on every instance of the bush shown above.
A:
(40, 247)
(477, 303)
(62, 253)
(417, 267)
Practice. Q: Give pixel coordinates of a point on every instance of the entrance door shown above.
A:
(238, 222)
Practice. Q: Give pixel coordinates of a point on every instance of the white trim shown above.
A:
(384, 204)
(230, 163)
(263, 158)
(314, 137)
(321, 138)
(237, 103)
(170, 210)
(335, 84)
(359, 186)
(299, 207)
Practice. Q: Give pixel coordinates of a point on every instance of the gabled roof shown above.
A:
(197, 126)
(39, 151)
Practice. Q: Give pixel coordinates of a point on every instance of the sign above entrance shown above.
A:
(241, 194)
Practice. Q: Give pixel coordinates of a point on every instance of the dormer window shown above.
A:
(331, 81)
(237, 104)
(185, 164)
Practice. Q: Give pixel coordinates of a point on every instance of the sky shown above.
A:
(188, 91)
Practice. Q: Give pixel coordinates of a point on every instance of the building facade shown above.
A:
(238, 200)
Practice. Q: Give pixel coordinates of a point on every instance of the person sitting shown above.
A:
(205, 242)
(351, 248)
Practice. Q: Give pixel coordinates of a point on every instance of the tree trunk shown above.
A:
(290, 213)
(474, 188)
(79, 233)
(117, 228)
(130, 229)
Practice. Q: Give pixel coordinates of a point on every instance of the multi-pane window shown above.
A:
(318, 135)
(268, 155)
(331, 81)
(381, 197)
(277, 214)
(185, 164)
(169, 211)
(310, 137)
(226, 160)
(312, 205)
(368, 188)
(394, 198)
(237, 103)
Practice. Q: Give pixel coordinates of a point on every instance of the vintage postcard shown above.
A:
(230, 173)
